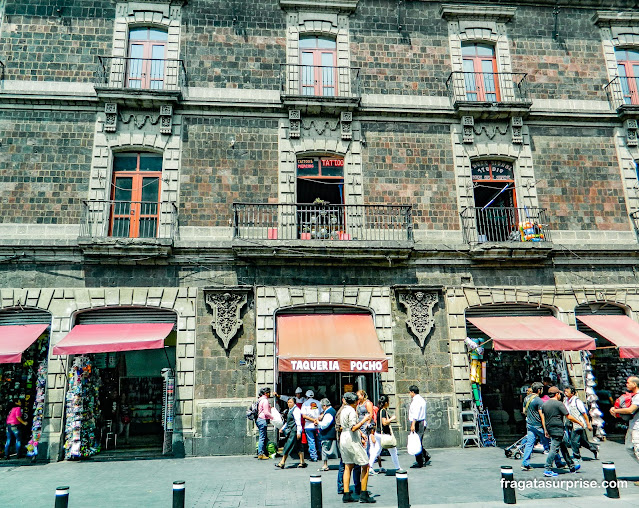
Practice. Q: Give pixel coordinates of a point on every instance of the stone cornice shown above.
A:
(319, 5)
(462, 11)
(610, 18)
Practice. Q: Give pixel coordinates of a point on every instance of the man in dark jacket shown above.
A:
(327, 433)
(552, 419)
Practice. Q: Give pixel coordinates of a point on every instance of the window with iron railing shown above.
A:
(628, 73)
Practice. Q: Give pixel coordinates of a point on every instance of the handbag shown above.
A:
(388, 440)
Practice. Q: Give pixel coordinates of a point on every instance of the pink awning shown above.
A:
(14, 339)
(620, 330)
(532, 333)
(108, 338)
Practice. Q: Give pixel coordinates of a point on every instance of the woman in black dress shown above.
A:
(293, 430)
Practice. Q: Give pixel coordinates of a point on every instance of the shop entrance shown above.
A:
(330, 385)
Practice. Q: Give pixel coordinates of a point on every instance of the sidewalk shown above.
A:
(455, 477)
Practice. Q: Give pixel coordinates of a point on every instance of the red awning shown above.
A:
(532, 333)
(108, 338)
(14, 339)
(620, 330)
(329, 343)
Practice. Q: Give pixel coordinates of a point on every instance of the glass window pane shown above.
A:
(485, 50)
(125, 162)
(123, 189)
(150, 189)
(157, 51)
(138, 34)
(468, 50)
(332, 167)
(328, 59)
(487, 67)
(326, 43)
(307, 41)
(150, 162)
(468, 66)
(157, 35)
(633, 55)
(148, 227)
(120, 228)
(307, 167)
(621, 69)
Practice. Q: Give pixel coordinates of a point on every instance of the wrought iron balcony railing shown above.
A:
(315, 81)
(623, 90)
(493, 87)
(140, 73)
(128, 219)
(501, 224)
(265, 221)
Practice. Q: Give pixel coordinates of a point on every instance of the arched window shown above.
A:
(480, 72)
(135, 195)
(318, 66)
(147, 58)
(628, 69)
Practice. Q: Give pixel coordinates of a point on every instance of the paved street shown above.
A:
(455, 477)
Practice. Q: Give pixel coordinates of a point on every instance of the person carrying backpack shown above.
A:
(632, 436)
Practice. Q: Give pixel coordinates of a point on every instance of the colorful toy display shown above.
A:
(531, 232)
(596, 416)
(38, 411)
(83, 410)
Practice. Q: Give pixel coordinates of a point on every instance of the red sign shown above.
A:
(332, 365)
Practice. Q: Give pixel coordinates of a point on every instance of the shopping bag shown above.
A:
(276, 418)
(413, 444)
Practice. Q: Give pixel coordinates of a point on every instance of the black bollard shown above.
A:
(610, 477)
(402, 489)
(316, 491)
(61, 497)
(179, 489)
(507, 484)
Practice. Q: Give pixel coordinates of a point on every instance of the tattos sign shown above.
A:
(342, 365)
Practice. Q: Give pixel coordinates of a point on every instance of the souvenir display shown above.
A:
(83, 410)
(38, 411)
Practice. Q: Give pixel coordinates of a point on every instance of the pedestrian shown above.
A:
(553, 412)
(292, 430)
(547, 382)
(417, 418)
(298, 397)
(382, 428)
(632, 435)
(352, 450)
(534, 428)
(577, 433)
(263, 418)
(310, 414)
(13, 428)
(327, 435)
(355, 475)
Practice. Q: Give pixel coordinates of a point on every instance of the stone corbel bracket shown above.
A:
(295, 122)
(631, 127)
(346, 119)
(419, 305)
(166, 119)
(111, 121)
(226, 305)
(468, 129)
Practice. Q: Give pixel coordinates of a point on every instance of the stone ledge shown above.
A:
(468, 11)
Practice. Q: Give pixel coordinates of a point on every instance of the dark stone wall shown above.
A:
(578, 178)
(215, 174)
(412, 164)
(45, 162)
(56, 40)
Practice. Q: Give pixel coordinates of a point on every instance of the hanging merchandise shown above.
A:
(596, 416)
(476, 353)
(38, 411)
(82, 410)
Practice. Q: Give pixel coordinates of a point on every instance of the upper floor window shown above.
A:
(628, 69)
(480, 71)
(318, 60)
(147, 58)
(135, 195)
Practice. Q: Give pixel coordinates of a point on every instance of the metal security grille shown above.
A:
(502, 310)
(126, 315)
(24, 317)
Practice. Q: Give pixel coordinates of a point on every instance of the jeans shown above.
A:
(262, 425)
(312, 437)
(577, 440)
(355, 476)
(12, 430)
(531, 437)
(558, 443)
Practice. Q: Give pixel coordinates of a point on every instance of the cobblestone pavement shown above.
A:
(455, 477)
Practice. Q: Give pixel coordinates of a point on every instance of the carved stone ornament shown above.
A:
(346, 120)
(295, 120)
(226, 307)
(166, 119)
(468, 131)
(631, 131)
(111, 122)
(419, 305)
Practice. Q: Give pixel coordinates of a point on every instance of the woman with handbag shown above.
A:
(384, 434)
(292, 430)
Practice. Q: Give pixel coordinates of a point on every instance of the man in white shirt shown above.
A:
(417, 418)
(310, 414)
(632, 436)
(578, 438)
(298, 397)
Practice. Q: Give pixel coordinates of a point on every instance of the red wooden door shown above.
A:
(147, 58)
(318, 69)
(480, 72)
(628, 69)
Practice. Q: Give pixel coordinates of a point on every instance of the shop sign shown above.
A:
(335, 365)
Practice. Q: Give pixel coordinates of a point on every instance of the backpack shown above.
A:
(375, 411)
(622, 402)
(251, 412)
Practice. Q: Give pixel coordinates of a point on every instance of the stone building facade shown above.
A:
(230, 114)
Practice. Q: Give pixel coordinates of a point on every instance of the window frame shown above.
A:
(146, 67)
(318, 71)
(629, 91)
(479, 79)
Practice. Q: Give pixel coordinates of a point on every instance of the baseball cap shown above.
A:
(310, 393)
(298, 390)
(553, 390)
